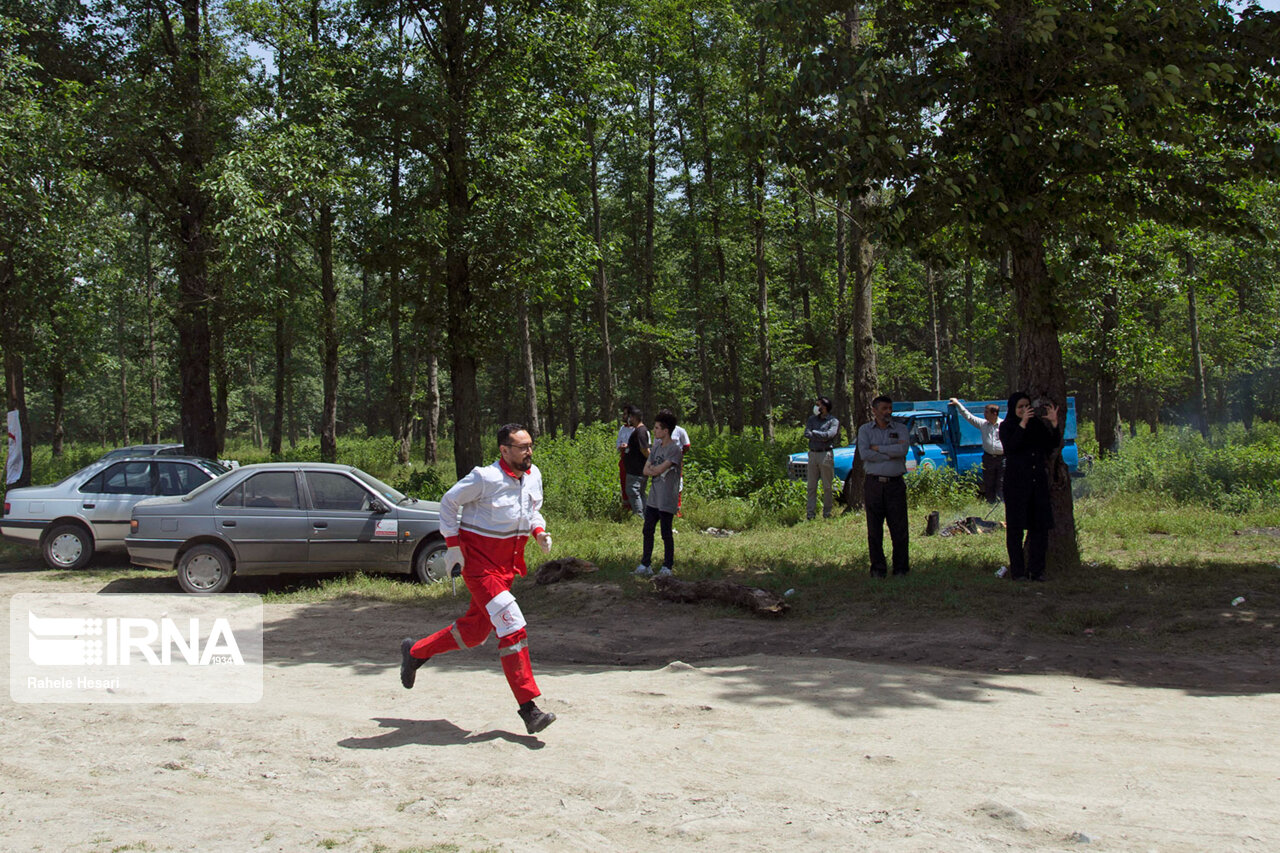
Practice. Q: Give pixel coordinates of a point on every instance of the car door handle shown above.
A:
(88, 506)
(228, 524)
(321, 525)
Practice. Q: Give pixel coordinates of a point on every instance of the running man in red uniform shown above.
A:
(486, 518)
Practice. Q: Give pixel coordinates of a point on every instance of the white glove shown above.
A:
(453, 557)
(544, 542)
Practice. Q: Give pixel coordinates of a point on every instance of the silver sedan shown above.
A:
(89, 511)
(283, 517)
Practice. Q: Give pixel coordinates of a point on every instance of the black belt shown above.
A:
(878, 478)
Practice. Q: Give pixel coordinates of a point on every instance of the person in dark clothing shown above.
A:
(1028, 440)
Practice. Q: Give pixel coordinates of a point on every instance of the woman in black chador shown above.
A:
(1029, 440)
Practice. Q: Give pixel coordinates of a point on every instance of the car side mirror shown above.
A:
(379, 507)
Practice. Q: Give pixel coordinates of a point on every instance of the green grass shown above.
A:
(1154, 573)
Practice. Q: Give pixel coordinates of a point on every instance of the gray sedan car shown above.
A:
(283, 517)
(89, 511)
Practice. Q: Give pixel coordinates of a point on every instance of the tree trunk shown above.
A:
(153, 358)
(527, 370)
(844, 412)
(931, 283)
(571, 363)
(550, 420)
(1041, 375)
(222, 382)
(1197, 359)
(969, 386)
(11, 323)
(865, 375)
(402, 386)
(16, 400)
(328, 338)
(191, 315)
(431, 403)
(802, 285)
(650, 220)
(58, 391)
(762, 265)
(1107, 425)
(124, 369)
(728, 337)
(707, 404)
(252, 401)
(281, 353)
(607, 384)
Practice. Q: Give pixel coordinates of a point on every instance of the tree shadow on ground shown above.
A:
(1151, 623)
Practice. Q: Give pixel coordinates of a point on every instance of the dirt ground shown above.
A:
(677, 729)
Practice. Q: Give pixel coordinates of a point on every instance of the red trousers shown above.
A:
(474, 628)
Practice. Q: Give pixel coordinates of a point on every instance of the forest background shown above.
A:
(282, 222)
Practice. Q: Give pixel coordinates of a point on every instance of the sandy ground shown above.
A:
(676, 730)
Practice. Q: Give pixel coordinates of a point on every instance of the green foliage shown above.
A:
(937, 488)
(426, 484)
(1236, 471)
(580, 475)
(780, 496)
(721, 465)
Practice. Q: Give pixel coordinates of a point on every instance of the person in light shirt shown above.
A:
(992, 449)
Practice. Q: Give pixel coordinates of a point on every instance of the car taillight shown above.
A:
(133, 525)
(6, 507)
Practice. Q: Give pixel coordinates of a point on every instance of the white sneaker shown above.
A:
(643, 571)
(665, 572)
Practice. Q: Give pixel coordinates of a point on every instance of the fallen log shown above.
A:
(563, 568)
(761, 602)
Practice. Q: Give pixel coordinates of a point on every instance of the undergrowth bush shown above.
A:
(936, 488)
(1236, 471)
(741, 481)
(580, 475)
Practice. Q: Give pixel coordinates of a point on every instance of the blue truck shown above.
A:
(940, 438)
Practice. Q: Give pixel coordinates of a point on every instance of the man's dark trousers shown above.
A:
(992, 476)
(886, 500)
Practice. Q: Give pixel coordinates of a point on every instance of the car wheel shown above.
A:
(847, 495)
(67, 546)
(428, 565)
(204, 569)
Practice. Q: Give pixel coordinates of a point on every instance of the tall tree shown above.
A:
(1015, 115)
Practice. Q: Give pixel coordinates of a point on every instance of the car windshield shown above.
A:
(380, 487)
(215, 468)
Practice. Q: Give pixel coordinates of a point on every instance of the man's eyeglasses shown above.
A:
(520, 447)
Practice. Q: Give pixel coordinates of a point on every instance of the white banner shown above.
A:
(13, 465)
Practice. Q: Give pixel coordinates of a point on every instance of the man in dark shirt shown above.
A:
(634, 459)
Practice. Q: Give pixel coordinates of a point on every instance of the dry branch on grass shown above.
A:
(761, 602)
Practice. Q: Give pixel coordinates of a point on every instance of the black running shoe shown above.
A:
(408, 663)
(535, 720)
